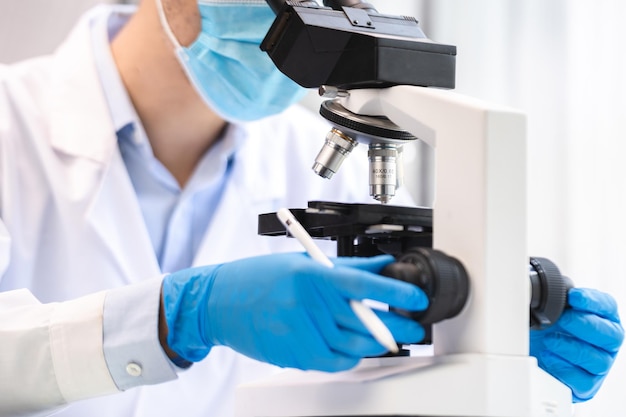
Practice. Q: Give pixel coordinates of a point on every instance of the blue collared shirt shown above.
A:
(176, 219)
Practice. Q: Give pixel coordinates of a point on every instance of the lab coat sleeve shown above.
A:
(50, 354)
(131, 339)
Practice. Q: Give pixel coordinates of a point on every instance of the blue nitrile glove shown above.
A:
(286, 309)
(579, 349)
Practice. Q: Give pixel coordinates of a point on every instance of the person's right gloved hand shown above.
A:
(286, 309)
(580, 348)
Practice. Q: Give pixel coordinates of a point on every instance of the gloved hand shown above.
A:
(286, 309)
(579, 349)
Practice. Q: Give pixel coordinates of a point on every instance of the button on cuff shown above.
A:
(134, 369)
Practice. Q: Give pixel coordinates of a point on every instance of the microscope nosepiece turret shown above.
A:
(384, 139)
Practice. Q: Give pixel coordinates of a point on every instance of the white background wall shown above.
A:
(562, 62)
(33, 27)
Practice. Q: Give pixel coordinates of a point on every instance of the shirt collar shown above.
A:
(103, 29)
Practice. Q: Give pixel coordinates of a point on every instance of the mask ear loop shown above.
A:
(165, 24)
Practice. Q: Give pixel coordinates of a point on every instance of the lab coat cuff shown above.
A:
(76, 348)
(131, 336)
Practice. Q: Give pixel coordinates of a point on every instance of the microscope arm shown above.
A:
(479, 211)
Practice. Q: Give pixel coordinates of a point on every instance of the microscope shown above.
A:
(389, 85)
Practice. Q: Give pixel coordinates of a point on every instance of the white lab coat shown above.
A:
(71, 226)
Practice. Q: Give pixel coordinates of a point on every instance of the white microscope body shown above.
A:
(480, 366)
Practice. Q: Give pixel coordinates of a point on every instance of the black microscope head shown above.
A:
(350, 45)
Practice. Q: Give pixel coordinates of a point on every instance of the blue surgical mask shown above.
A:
(235, 78)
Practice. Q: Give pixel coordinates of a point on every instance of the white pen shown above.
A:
(370, 320)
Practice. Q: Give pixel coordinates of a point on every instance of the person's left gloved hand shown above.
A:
(580, 348)
(286, 309)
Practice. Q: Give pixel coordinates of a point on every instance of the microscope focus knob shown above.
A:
(549, 290)
(441, 277)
